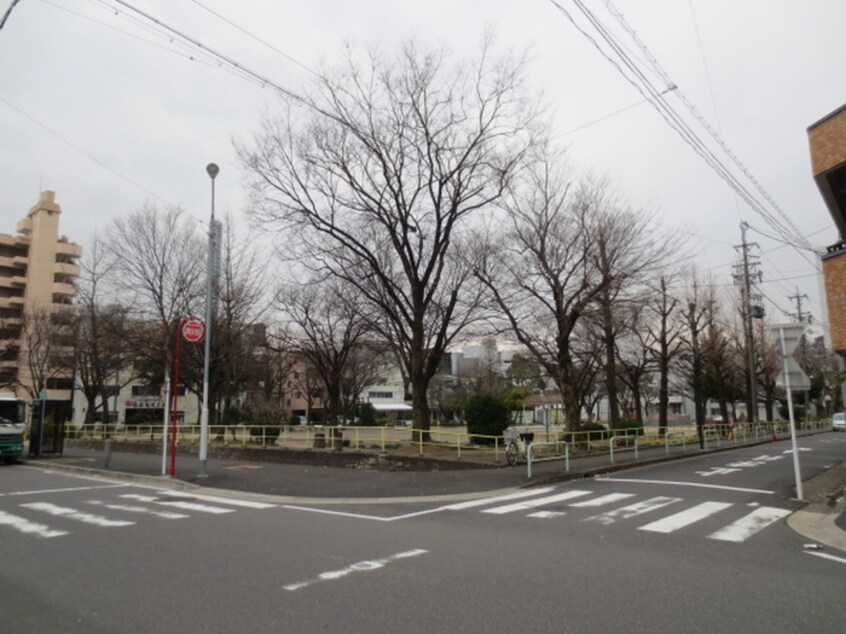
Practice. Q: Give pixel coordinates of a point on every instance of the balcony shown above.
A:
(69, 248)
(66, 268)
(11, 302)
(25, 226)
(63, 288)
(14, 281)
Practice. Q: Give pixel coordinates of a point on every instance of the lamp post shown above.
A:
(212, 170)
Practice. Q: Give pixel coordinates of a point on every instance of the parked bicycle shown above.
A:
(517, 448)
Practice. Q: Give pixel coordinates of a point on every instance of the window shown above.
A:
(380, 395)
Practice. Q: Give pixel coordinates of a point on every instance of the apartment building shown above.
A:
(38, 273)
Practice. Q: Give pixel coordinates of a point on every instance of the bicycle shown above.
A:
(517, 448)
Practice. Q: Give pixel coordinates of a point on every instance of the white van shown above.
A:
(838, 421)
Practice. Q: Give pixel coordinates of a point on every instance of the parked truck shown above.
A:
(11, 440)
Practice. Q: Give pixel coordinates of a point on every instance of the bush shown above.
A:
(486, 415)
(268, 432)
(366, 415)
(628, 427)
(585, 432)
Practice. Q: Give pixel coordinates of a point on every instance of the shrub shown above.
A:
(487, 415)
(268, 432)
(366, 415)
(586, 431)
(628, 427)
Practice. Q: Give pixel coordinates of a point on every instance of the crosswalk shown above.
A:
(124, 510)
(585, 506)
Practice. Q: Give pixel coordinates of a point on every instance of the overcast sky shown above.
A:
(108, 114)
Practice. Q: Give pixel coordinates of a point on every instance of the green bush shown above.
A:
(628, 427)
(585, 432)
(268, 432)
(486, 415)
(366, 415)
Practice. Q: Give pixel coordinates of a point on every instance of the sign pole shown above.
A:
(796, 470)
(166, 421)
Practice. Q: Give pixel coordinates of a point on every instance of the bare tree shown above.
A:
(327, 329)
(666, 333)
(551, 270)
(379, 182)
(159, 260)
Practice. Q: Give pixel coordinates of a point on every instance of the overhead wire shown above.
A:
(634, 75)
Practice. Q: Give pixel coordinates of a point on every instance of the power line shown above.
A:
(8, 13)
(634, 75)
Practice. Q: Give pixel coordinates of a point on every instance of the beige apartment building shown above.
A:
(38, 273)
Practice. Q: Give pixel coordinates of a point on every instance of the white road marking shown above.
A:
(500, 498)
(29, 528)
(361, 566)
(79, 516)
(131, 508)
(546, 514)
(221, 500)
(185, 506)
(529, 504)
(602, 500)
(685, 518)
(633, 510)
(64, 490)
(686, 484)
(825, 556)
(750, 524)
(359, 516)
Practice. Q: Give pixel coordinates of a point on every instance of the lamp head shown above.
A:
(212, 170)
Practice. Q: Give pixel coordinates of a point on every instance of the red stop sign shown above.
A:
(193, 330)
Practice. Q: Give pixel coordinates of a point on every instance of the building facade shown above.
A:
(38, 273)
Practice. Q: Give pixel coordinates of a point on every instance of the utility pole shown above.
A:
(746, 274)
(800, 316)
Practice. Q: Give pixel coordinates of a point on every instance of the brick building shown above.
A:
(827, 138)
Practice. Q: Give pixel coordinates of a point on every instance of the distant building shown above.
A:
(38, 273)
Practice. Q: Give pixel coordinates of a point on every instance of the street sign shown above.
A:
(193, 330)
(788, 337)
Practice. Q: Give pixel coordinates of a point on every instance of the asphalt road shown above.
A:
(699, 545)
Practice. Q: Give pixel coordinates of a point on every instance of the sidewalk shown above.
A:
(323, 483)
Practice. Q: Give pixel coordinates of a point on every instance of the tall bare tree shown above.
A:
(159, 260)
(378, 182)
(549, 271)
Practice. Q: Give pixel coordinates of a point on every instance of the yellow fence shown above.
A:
(454, 443)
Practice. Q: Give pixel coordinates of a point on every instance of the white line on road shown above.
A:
(67, 489)
(530, 504)
(748, 525)
(131, 508)
(685, 518)
(602, 500)
(686, 484)
(361, 566)
(30, 528)
(79, 516)
(632, 510)
(185, 506)
(499, 498)
(825, 556)
(221, 500)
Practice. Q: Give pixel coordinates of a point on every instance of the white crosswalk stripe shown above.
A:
(529, 504)
(74, 514)
(460, 506)
(602, 500)
(27, 527)
(748, 525)
(249, 504)
(132, 508)
(179, 504)
(632, 510)
(685, 518)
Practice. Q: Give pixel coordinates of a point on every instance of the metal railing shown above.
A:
(449, 443)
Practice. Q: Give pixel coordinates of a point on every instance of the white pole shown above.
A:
(212, 170)
(796, 471)
(166, 421)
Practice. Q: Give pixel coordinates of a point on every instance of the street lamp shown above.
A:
(212, 170)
